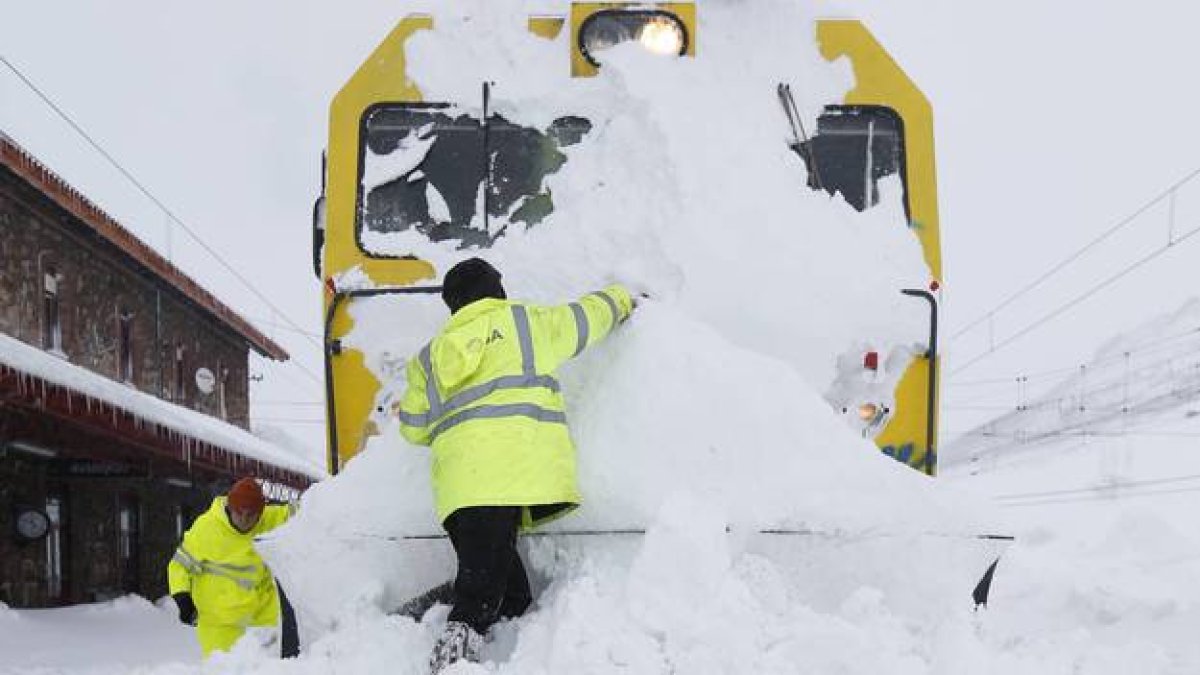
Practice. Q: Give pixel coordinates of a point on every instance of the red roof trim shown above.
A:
(58, 190)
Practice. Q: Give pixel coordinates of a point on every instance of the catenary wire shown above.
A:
(149, 195)
(1077, 254)
(1075, 301)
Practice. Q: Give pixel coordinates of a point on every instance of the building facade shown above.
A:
(124, 399)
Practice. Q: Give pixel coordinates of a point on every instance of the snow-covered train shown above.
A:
(470, 131)
(767, 177)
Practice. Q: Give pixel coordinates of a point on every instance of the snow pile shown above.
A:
(76, 639)
(1097, 478)
(1120, 578)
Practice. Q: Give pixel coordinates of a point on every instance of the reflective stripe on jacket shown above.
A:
(484, 396)
(218, 565)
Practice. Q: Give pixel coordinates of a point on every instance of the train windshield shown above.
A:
(446, 176)
(855, 147)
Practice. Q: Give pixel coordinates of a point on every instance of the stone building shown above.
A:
(124, 399)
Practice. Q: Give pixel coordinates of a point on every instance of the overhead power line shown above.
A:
(1077, 254)
(1097, 497)
(1139, 348)
(1142, 372)
(1098, 488)
(1075, 301)
(157, 202)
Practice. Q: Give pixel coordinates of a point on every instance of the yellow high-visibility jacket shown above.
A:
(483, 395)
(218, 565)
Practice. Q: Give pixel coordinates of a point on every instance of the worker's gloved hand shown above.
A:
(187, 608)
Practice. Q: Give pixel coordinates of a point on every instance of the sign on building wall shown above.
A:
(205, 380)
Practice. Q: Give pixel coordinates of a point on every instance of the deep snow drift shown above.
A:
(1099, 479)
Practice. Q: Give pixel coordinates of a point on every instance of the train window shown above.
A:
(429, 171)
(421, 170)
(522, 158)
(854, 147)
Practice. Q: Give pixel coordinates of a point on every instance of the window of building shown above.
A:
(54, 552)
(51, 325)
(222, 378)
(128, 531)
(180, 390)
(125, 345)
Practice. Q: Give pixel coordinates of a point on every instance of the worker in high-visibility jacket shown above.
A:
(483, 395)
(220, 583)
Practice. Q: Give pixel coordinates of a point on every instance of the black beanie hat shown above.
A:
(471, 280)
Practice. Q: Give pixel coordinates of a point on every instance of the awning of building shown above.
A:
(39, 382)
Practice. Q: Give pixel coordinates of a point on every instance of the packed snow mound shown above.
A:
(687, 600)
(648, 417)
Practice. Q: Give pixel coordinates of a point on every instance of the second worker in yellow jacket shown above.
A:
(483, 395)
(220, 583)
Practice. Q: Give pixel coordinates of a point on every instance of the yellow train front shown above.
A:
(488, 172)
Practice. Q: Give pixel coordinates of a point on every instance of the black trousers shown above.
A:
(491, 583)
(289, 640)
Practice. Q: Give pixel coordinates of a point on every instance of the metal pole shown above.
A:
(333, 347)
(487, 159)
(931, 354)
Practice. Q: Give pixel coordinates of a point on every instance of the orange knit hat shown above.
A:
(246, 495)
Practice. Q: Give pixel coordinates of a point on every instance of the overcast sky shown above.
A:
(1054, 121)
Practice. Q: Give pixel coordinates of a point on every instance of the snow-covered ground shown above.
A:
(118, 636)
(1099, 478)
(1097, 586)
(1099, 581)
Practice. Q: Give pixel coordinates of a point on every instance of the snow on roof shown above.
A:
(58, 190)
(32, 361)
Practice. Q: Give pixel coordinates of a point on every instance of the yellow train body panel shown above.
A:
(880, 81)
(381, 78)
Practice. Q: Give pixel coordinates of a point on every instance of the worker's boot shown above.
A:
(458, 642)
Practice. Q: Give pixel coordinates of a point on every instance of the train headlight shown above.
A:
(663, 36)
(871, 417)
(871, 413)
(657, 31)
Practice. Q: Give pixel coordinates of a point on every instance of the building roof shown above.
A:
(42, 179)
(37, 380)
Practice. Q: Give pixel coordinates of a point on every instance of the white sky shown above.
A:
(1054, 121)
